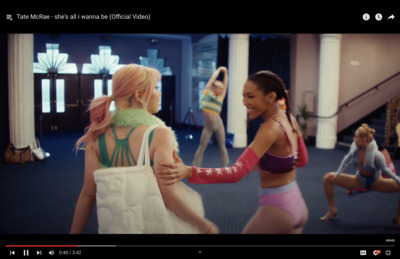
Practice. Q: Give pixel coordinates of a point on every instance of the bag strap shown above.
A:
(144, 155)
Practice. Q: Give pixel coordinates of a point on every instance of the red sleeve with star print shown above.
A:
(231, 174)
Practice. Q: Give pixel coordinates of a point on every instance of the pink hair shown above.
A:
(126, 81)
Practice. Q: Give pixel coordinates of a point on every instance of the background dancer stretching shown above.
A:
(211, 105)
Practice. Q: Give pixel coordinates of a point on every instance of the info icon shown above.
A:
(366, 16)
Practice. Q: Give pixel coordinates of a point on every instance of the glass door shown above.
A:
(56, 101)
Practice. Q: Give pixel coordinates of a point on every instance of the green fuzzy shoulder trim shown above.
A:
(137, 117)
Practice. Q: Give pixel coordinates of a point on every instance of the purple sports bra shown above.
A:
(278, 164)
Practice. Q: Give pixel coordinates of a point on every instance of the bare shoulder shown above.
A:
(266, 136)
(162, 131)
(269, 128)
(162, 142)
(162, 135)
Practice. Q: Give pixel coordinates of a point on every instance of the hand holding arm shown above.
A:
(232, 174)
(177, 170)
(171, 196)
(174, 171)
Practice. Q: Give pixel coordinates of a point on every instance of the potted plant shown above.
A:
(305, 114)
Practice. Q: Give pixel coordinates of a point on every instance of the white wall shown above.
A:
(366, 60)
(304, 74)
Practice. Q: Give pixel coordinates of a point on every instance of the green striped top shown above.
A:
(211, 103)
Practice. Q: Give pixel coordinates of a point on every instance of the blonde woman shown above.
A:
(370, 163)
(114, 141)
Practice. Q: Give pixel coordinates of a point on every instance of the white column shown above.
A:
(20, 89)
(328, 90)
(238, 72)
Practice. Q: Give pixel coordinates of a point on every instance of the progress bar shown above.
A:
(41, 246)
(57, 246)
(208, 246)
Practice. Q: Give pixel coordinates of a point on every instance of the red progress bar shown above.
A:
(40, 245)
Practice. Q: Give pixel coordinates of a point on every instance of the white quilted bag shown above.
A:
(129, 200)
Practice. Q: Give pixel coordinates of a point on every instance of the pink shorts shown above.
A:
(288, 198)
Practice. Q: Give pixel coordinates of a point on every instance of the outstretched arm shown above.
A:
(231, 174)
(264, 139)
(176, 171)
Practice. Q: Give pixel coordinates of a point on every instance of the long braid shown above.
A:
(285, 95)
